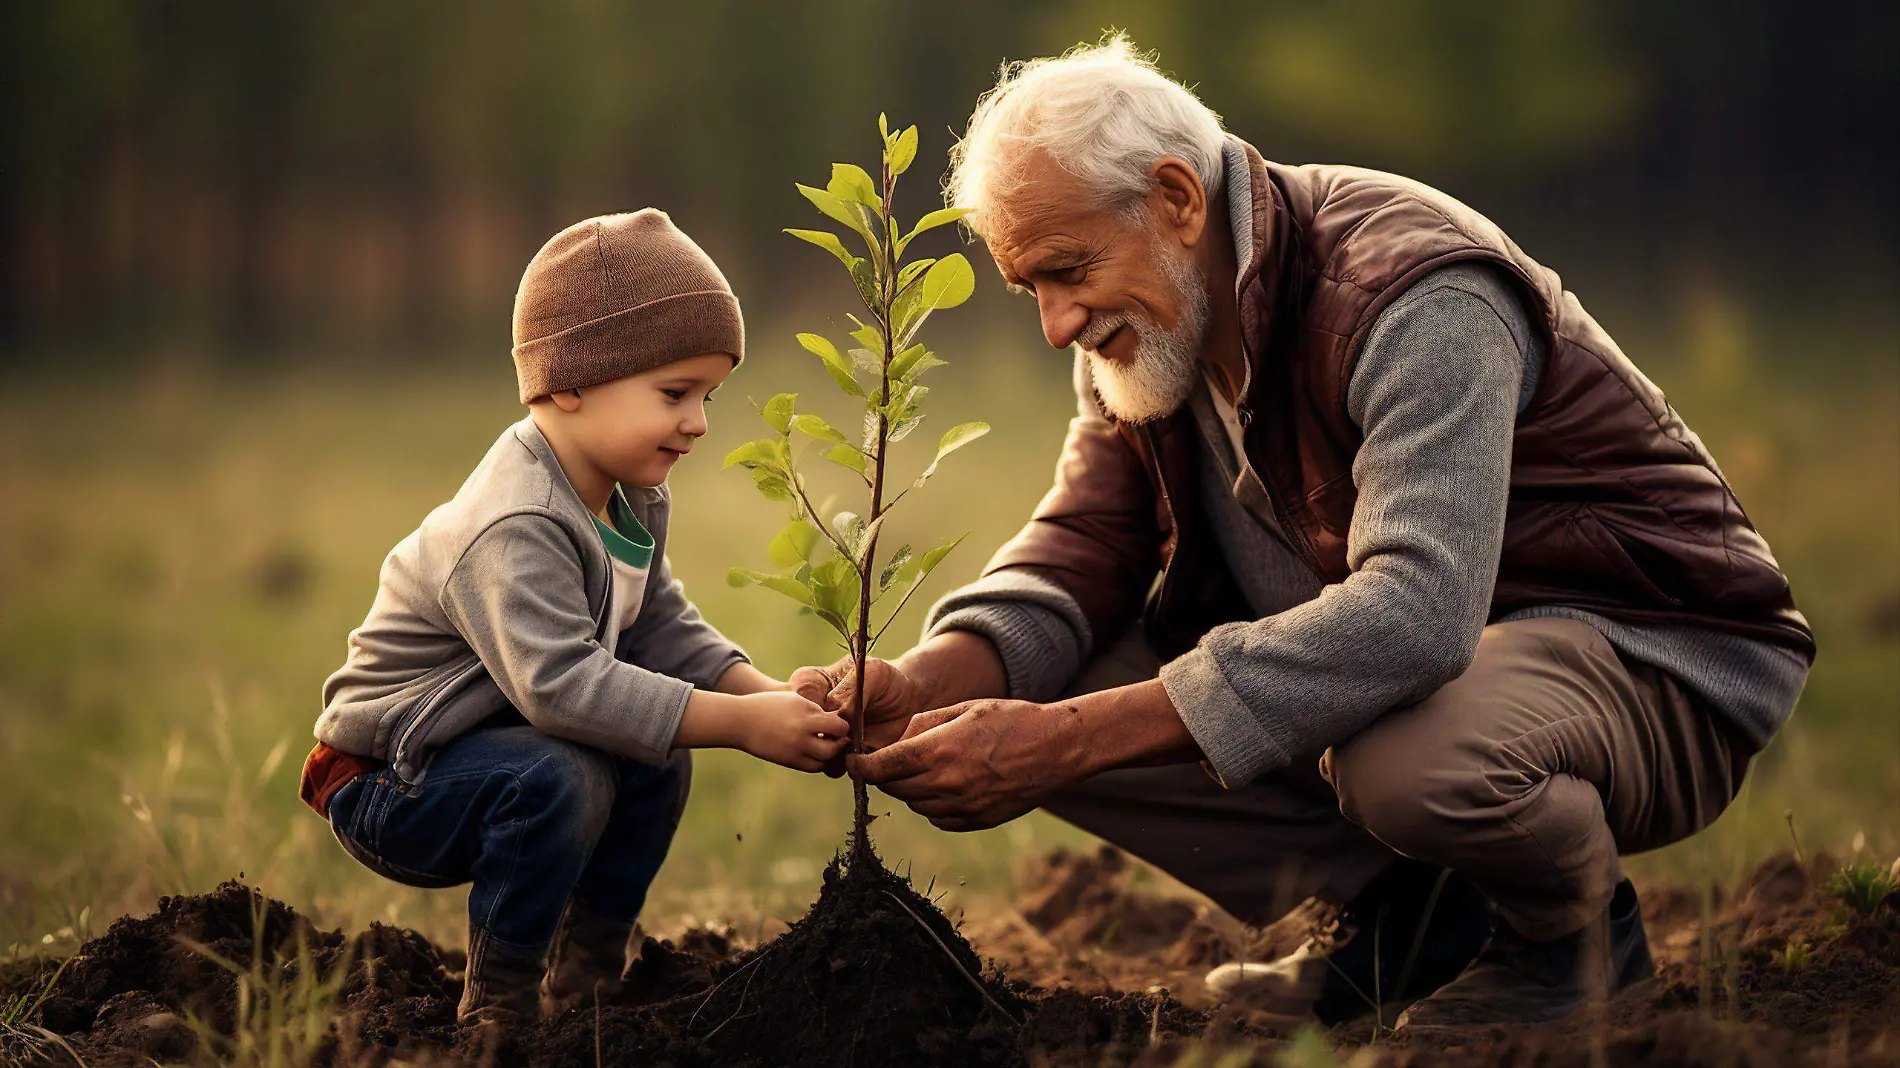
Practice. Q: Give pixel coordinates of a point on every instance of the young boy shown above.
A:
(516, 709)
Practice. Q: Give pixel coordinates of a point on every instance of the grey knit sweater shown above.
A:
(1444, 372)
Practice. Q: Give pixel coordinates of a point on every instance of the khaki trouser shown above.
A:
(1530, 774)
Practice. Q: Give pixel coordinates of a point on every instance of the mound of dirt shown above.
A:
(1777, 973)
(874, 974)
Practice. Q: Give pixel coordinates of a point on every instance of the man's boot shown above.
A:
(1420, 924)
(1517, 980)
(589, 961)
(501, 983)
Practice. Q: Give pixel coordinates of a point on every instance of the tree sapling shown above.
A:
(831, 567)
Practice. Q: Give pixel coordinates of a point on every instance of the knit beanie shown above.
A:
(616, 295)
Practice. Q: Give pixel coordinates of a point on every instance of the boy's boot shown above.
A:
(589, 961)
(1517, 980)
(501, 981)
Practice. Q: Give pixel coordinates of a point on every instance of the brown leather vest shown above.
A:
(1615, 506)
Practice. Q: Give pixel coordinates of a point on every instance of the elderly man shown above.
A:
(1423, 566)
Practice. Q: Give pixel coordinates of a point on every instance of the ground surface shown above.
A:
(1080, 973)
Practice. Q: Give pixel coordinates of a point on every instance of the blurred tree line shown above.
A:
(262, 173)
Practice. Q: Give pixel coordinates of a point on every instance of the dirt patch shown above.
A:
(1775, 973)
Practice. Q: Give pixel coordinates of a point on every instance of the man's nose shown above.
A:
(1062, 317)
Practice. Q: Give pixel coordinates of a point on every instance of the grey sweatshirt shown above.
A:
(1443, 374)
(500, 598)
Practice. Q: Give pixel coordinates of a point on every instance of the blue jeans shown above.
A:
(530, 819)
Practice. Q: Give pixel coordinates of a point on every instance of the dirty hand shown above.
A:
(891, 698)
(976, 764)
(787, 729)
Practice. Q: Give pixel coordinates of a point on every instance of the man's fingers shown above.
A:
(883, 689)
(924, 721)
(811, 683)
(900, 761)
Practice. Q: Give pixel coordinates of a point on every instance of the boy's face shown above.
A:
(634, 429)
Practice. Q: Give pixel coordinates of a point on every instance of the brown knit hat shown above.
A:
(616, 295)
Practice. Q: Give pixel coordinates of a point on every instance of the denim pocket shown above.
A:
(358, 826)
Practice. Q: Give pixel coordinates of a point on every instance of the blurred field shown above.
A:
(182, 551)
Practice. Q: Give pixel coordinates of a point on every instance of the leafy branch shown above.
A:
(831, 566)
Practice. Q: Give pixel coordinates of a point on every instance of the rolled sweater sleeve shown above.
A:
(1435, 395)
(1038, 630)
(518, 597)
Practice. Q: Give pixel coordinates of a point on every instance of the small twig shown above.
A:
(722, 983)
(961, 970)
(1799, 860)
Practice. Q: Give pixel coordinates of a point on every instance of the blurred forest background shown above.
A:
(256, 266)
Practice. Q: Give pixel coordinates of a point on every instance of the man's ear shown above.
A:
(568, 400)
(1182, 201)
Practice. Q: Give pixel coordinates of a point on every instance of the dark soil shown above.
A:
(875, 974)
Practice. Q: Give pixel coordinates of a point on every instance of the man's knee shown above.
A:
(1389, 789)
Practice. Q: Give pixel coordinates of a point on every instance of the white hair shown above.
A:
(1101, 112)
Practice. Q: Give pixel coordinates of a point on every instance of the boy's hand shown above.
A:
(787, 729)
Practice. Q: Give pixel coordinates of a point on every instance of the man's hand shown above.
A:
(977, 764)
(891, 698)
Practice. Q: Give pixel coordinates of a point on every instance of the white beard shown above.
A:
(1159, 376)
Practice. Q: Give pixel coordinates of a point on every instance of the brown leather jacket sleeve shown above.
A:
(1094, 534)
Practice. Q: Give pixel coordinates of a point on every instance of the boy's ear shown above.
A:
(568, 400)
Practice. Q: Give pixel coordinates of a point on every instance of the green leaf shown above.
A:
(867, 361)
(843, 211)
(772, 484)
(883, 126)
(960, 435)
(752, 454)
(778, 412)
(910, 273)
(815, 426)
(948, 283)
(846, 456)
(912, 362)
(795, 543)
(931, 222)
(905, 404)
(850, 529)
(835, 364)
(866, 277)
(835, 590)
(893, 568)
(935, 556)
(901, 430)
(849, 182)
(903, 151)
(784, 584)
(957, 437)
(868, 336)
(828, 241)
